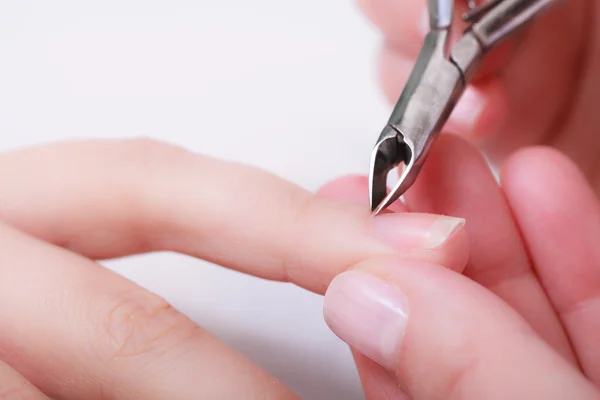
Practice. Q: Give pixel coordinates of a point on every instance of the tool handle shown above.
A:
(505, 18)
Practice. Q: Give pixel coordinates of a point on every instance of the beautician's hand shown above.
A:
(522, 322)
(547, 93)
(70, 329)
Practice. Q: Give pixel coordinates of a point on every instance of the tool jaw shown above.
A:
(393, 150)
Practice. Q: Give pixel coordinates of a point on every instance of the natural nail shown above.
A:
(367, 313)
(410, 231)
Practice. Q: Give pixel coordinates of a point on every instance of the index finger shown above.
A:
(107, 199)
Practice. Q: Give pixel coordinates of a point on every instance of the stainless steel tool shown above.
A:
(435, 85)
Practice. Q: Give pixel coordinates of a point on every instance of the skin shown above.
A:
(532, 262)
(506, 307)
(66, 205)
(522, 319)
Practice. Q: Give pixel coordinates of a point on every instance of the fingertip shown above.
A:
(434, 238)
(432, 328)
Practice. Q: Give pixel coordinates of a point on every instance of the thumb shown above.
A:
(443, 336)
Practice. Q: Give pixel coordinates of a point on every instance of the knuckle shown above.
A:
(142, 157)
(138, 323)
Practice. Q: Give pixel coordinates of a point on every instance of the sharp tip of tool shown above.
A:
(377, 209)
(390, 197)
(387, 155)
(382, 162)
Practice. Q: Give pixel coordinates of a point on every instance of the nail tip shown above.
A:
(444, 228)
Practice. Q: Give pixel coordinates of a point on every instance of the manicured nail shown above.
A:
(467, 113)
(368, 314)
(412, 231)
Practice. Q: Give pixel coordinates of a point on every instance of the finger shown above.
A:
(107, 199)
(561, 34)
(108, 337)
(559, 216)
(13, 386)
(377, 382)
(443, 336)
(356, 189)
(457, 181)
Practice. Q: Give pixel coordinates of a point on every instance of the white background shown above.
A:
(288, 86)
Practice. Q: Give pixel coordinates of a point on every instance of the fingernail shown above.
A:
(412, 231)
(465, 116)
(368, 314)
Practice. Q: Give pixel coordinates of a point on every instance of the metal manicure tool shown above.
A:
(435, 85)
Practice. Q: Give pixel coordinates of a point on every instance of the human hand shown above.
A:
(521, 322)
(545, 91)
(70, 329)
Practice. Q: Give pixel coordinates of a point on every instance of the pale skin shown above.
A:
(522, 320)
(65, 205)
(504, 304)
(507, 328)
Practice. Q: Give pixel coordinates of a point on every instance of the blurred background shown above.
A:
(287, 86)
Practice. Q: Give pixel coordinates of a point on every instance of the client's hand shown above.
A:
(521, 322)
(70, 329)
